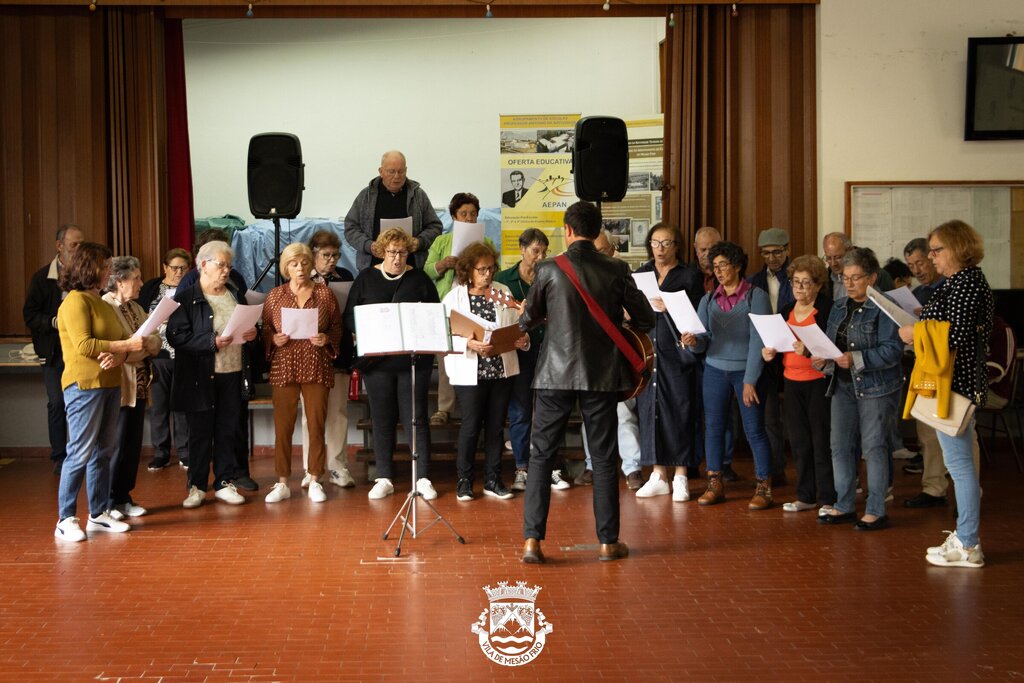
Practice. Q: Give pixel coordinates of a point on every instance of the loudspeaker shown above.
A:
(600, 161)
(275, 175)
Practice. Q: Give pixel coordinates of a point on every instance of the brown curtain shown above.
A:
(740, 130)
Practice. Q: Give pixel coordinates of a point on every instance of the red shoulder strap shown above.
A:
(601, 317)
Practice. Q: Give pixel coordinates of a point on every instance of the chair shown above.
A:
(998, 424)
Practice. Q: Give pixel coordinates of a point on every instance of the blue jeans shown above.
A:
(92, 441)
(957, 453)
(719, 388)
(520, 408)
(861, 426)
(628, 436)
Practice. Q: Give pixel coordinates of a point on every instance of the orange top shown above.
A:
(797, 367)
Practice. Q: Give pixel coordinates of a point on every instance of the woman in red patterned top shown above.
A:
(300, 367)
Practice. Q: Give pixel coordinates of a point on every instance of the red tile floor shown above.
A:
(304, 592)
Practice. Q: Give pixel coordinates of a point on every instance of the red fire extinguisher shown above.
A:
(353, 385)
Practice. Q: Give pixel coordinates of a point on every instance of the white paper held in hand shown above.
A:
(816, 341)
(648, 284)
(774, 332)
(464, 234)
(157, 318)
(682, 312)
(242, 319)
(905, 298)
(299, 323)
(891, 309)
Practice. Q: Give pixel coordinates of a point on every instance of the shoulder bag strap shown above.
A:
(601, 317)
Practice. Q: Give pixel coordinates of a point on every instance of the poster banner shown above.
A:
(536, 178)
(631, 219)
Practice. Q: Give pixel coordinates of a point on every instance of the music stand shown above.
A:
(407, 513)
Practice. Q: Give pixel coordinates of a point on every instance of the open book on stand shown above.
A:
(392, 329)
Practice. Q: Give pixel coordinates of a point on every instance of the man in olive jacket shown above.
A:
(574, 367)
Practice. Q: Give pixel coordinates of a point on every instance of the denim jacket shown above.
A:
(876, 347)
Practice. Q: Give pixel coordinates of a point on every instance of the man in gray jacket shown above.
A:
(391, 195)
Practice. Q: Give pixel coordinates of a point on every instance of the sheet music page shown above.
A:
(891, 309)
(403, 224)
(242, 319)
(774, 332)
(299, 323)
(905, 298)
(816, 341)
(254, 298)
(425, 328)
(648, 284)
(464, 234)
(682, 312)
(378, 328)
(157, 318)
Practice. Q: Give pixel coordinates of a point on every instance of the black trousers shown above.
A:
(808, 421)
(768, 387)
(124, 467)
(56, 414)
(390, 398)
(213, 434)
(551, 409)
(166, 425)
(483, 406)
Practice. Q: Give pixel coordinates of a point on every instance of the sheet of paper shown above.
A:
(425, 328)
(170, 292)
(774, 332)
(905, 298)
(340, 290)
(253, 297)
(158, 317)
(403, 224)
(464, 234)
(648, 284)
(682, 312)
(891, 309)
(378, 329)
(299, 323)
(816, 341)
(242, 319)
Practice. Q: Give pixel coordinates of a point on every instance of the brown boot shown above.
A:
(762, 499)
(715, 493)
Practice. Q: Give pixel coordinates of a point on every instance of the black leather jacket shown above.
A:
(40, 310)
(190, 332)
(577, 354)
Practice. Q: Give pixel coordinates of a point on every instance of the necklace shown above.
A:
(389, 277)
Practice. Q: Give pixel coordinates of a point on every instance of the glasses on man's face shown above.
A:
(935, 251)
(772, 253)
(662, 244)
(802, 284)
(393, 171)
(486, 270)
(853, 279)
(721, 267)
(395, 253)
(832, 259)
(177, 269)
(329, 255)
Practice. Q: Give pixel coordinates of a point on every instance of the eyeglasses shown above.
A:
(851, 279)
(802, 284)
(220, 265)
(935, 251)
(663, 244)
(329, 255)
(177, 269)
(772, 253)
(486, 269)
(393, 171)
(396, 254)
(833, 259)
(719, 267)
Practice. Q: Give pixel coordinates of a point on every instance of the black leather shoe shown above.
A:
(877, 525)
(924, 500)
(531, 552)
(246, 483)
(613, 551)
(844, 518)
(729, 474)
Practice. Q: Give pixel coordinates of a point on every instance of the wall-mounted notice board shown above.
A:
(885, 215)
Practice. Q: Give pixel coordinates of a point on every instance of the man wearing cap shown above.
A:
(774, 246)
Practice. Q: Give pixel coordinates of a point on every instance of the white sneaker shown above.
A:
(426, 489)
(306, 478)
(798, 506)
(382, 489)
(278, 492)
(130, 510)
(952, 553)
(229, 494)
(680, 488)
(194, 498)
(557, 483)
(316, 492)
(655, 486)
(104, 522)
(342, 478)
(116, 514)
(68, 530)
(903, 454)
(519, 483)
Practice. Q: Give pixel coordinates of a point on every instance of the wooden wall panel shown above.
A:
(53, 128)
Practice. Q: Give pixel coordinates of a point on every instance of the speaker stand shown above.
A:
(277, 257)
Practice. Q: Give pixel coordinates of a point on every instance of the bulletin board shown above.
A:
(885, 215)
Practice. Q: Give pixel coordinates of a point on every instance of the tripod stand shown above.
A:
(407, 513)
(277, 255)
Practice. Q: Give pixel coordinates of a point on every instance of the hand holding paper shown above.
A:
(158, 317)
(242, 319)
(816, 341)
(774, 332)
(682, 312)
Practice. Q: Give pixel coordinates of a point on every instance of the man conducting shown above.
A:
(574, 367)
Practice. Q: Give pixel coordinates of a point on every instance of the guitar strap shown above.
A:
(639, 366)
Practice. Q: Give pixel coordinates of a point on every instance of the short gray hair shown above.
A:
(208, 251)
(863, 257)
(120, 268)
